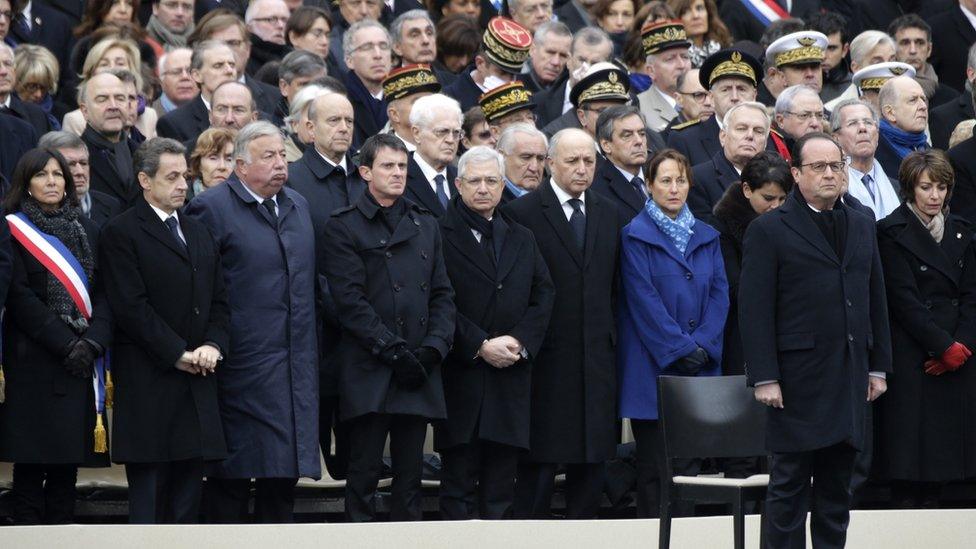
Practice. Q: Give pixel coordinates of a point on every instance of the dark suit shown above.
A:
(819, 345)
(391, 290)
(366, 121)
(952, 35)
(50, 28)
(464, 90)
(568, 119)
(265, 96)
(12, 149)
(944, 119)
(574, 16)
(168, 298)
(30, 113)
(710, 181)
(699, 142)
(611, 183)
(103, 207)
(549, 103)
(186, 122)
(419, 188)
(488, 407)
(326, 191)
(573, 377)
(963, 159)
(105, 176)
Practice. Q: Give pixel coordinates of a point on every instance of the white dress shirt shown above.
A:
(564, 197)
(260, 198)
(163, 216)
(341, 164)
(429, 172)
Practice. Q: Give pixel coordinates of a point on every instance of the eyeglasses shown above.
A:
(272, 19)
(821, 167)
(855, 122)
(477, 181)
(370, 46)
(804, 116)
(699, 97)
(442, 133)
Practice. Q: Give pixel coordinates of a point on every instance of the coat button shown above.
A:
(692, 323)
(382, 242)
(960, 263)
(843, 270)
(849, 304)
(499, 287)
(923, 268)
(416, 222)
(687, 276)
(850, 337)
(423, 286)
(423, 320)
(928, 304)
(389, 255)
(399, 321)
(396, 287)
(955, 302)
(423, 254)
(196, 310)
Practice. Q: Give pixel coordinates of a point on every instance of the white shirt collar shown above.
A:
(259, 198)
(627, 175)
(564, 197)
(567, 104)
(341, 164)
(27, 15)
(410, 146)
(428, 170)
(163, 216)
(205, 102)
(718, 120)
(671, 101)
(969, 15)
(6, 102)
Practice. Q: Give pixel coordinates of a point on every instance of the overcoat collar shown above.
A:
(797, 219)
(912, 236)
(158, 230)
(458, 234)
(285, 204)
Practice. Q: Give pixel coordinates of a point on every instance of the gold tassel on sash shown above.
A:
(3, 386)
(101, 438)
(109, 390)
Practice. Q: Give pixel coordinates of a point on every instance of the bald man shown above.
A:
(102, 100)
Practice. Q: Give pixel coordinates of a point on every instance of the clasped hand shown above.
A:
(501, 351)
(202, 360)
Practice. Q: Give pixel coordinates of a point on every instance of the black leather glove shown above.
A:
(691, 363)
(428, 357)
(79, 360)
(408, 372)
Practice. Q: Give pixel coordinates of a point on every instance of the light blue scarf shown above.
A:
(678, 230)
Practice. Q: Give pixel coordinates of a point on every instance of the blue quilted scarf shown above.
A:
(903, 142)
(678, 230)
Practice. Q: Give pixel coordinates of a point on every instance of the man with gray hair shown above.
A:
(296, 70)
(95, 205)
(530, 13)
(211, 64)
(524, 148)
(621, 133)
(868, 48)
(266, 20)
(745, 129)
(855, 126)
(176, 81)
(904, 119)
(591, 45)
(269, 382)
(547, 57)
(103, 100)
(799, 111)
(573, 408)
(503, 296)
(366, 49)
(944, 118)
(435, 121)
(415, 41)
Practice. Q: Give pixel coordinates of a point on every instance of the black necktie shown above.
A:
(578, 221)
(638, 184)
(442, 194)
(174, 228)
(269, 204)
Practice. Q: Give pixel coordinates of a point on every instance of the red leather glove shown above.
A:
(934, 367)
(955, 356)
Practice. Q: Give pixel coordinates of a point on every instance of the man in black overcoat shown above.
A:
(110, 151)
(574, 387)
(504, 297)
(952, 34)
(814, 325)
(436, 127)
(328, 178)
(394, 301)
(622, 135)
(164, 284)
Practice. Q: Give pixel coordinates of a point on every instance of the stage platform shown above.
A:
(937, 529)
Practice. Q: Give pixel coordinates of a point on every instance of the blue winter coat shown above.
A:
(670, 306)
(268, 382)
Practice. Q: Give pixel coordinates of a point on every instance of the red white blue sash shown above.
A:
(766, 11)
(56, 258)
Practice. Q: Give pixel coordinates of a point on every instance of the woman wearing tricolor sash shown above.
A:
(55, 329)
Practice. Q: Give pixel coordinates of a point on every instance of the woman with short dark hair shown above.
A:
(923, 425)
(54, 329)
(673, 308)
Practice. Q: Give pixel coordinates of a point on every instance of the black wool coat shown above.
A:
(185, 123)
(49, 414)
(963, 159)
(574, 377)
(609, 182)
(944, 118)
(924, 423)
(813, 321)
(165, 300)
(103, 207)
(709, 183)
(515, 298)
(106, 178)
(388, 289)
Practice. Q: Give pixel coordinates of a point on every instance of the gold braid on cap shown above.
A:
(806, 54)
(504, 51)
(601, 89)
(874, 83)
(506, 100)
(733, 67)
(669, 34)
(404, 83)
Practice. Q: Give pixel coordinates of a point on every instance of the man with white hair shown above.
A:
(524, 148)
(176, 81)
(366, 49)
(547, 56)
(102, 99)
(268, 386)
(799, 111)
(904, 118)
(868, 48)
(855, 126)
(574, 409)
(743, 135)
(266, 20)
(504, 296)
(435, 122)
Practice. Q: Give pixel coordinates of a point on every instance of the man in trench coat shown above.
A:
(268, 382)
(504, 298)
(167, 295)
(574, 386)
(814, 324)
(394, 301)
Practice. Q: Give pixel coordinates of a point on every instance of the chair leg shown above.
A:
(738, 523)
(664, 532)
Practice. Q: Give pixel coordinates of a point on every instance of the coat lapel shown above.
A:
(594, 216)
(237, 186)
(557, 218)
(407, 228)
(420, 189)
(622, 188)
(158, 230)
(511, 246)
(459, 235)
(917, 240)
(800, 221)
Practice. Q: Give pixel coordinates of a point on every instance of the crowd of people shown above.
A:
(275, 234)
